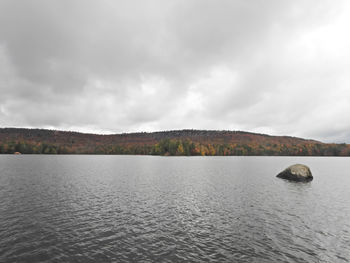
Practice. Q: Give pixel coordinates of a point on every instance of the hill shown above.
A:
(178, 142)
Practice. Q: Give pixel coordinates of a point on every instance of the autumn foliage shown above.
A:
(174, 143)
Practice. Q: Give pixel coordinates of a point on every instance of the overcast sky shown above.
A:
(110, 66)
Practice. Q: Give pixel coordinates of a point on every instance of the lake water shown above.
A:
(172, 209)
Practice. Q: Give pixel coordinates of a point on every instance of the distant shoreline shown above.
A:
(169, 156)
(165, 143)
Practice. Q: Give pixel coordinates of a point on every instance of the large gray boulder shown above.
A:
(296, 172)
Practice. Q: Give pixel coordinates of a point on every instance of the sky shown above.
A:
(112, 66)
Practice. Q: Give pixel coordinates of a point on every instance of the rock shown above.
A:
(296, 172)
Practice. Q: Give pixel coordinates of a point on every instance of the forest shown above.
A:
(167, 143)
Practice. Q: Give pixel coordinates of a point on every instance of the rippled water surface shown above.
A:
(164, 209)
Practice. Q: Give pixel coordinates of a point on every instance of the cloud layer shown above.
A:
(278, 67)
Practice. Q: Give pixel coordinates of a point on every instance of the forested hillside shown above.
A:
(181, 142)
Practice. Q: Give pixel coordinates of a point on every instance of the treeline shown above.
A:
(32, 148)
(189, 148)
(180, 147)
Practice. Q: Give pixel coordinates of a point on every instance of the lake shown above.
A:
(88, 208)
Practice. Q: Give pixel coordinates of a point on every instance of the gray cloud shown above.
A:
(273, 66)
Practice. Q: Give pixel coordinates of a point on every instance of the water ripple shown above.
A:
(154, 209)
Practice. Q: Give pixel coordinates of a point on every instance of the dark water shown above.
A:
(163, 209)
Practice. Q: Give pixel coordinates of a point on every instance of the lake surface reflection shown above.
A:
(172, 209)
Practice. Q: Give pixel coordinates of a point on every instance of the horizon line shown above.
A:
(160, 131)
